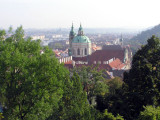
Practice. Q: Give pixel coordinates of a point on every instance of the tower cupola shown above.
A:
(80, 31)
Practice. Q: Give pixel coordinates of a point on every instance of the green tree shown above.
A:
(108, 116)
(143, 80)
(150, 113)
(2, 35)
(114, 84)
(93, 81)
(31, 82)
(113, 101)
(73, 105)
(58, 46)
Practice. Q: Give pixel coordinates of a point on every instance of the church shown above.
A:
(79, 45)
(114, 59)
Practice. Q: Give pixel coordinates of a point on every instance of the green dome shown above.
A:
(81, 39)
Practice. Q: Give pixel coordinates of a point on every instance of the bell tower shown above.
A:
(121, 41)
(71, 36)
(80, 31)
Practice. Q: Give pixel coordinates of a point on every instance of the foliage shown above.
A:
(150, 113)
(57, 45)
(1, 116)
(31, 82)
(73, 105)
(2, 35)
(142, 82)
(93, 81)
(114, 84)
(114, 100)
(109, 116)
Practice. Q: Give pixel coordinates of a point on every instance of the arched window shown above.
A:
(85, 51)
(78, 51)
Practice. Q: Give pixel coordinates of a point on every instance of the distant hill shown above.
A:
(144, 35)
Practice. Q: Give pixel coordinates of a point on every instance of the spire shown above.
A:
(72, 31)
(121, 40)
(121, 37)
(80, 31)
(72, 27)
(80, 28)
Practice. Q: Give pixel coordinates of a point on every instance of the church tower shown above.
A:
(121, 41)
(71, 36)
(80, 31)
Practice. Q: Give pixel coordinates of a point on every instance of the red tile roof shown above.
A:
(81, 58)
(69, 62)
(116, 64)
(102, 55)
(112, 47)
(105, 55)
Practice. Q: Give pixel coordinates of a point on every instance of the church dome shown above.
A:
(81, 39)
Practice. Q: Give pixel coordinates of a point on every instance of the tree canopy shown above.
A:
(150, 113)
(31, 82)
(143, 80)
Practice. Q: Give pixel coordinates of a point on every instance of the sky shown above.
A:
(90, 13)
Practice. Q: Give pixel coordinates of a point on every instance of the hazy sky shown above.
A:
(91, 13)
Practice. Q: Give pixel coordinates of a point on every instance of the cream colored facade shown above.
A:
(81, 49)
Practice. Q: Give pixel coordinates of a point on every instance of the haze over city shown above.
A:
(135, 14)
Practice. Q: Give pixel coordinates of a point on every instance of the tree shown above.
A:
(109, 116)
(141, 84)
(112, 101)
(114, 84)
(2, 35)
(31, 82)
(93, 81)
(73, 105)
(150, 113)
(58, 46)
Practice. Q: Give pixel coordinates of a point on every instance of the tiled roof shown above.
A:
(116, 64)
(112, 47)
(80, 58)
(69, 62)
(101, 55)
(105, 55)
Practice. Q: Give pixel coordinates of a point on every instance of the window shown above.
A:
(78, 51)
(72, 52)
(85, 51)
(104, 62)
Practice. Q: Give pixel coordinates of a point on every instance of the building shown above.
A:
(79, 45)
(36, 37)
(114, 59)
